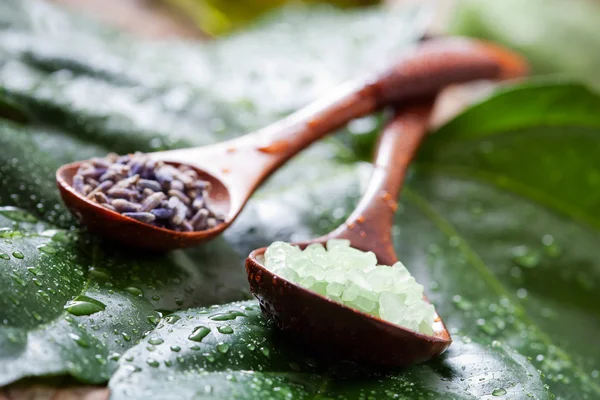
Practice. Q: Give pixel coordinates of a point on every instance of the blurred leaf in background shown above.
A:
(221, 16)
(557, 36)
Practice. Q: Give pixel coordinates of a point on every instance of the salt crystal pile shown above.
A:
(353, 278)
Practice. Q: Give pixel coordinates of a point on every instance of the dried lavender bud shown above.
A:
(162, 213)
(92, 182)
(177, 185)
(100, 162)
(141, 216)
(180, 195)
(100, 197)
(149, 184)
(186, 226)
(173, 202)
(123, 159)
(108, 175)
(198, 203)
(121, 193)
(165, 174)
(106, 205)
(147, 192)
(120, 169)
(122, 205)
(199, 219)
(126, 183)
(78, 183)
(201, 185)
(179, 215)
(102, 187)
(93, 172)
(184, 178)
(153, 201)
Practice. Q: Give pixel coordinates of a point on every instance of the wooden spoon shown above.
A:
(237, 167)
(328, 325)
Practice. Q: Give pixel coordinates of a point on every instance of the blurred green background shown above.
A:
(221, 16)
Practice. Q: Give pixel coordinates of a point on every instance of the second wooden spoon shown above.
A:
(329, 326)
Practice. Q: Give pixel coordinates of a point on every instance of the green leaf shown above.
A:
(243, 357)
(556, 36)
(72, 305)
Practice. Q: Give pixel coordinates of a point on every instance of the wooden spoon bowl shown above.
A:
(328, 325)
(237, 167)
(131, 231)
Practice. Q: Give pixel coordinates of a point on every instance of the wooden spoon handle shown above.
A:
(244, 163)
(430, 67)
(369, 226)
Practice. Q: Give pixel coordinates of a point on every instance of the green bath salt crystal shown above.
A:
(353, 278)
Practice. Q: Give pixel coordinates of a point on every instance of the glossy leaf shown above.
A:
(557, 36)
(244, 357)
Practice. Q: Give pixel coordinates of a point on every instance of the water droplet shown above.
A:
(17, 279)
(499, 392)
(48, 248)
(551, 248)
(454, 241)
(79, 340)
(175, 348)
(126, 336)
(462, 304)
(195, 347)
(265, 351)
(58, 235)
(155, 297)
(101, 360)
(168, 363)
(171, 319)
(4, 256)
(525, 257)
(226, 329)
(199, 333)
(101, 274)
(114, 357)
(251, 347)
(227, 316)
(34, 271)
(152, 362)
(156, 341)
(18, 254)
(84, 305)
(134, 291)
(223, 348)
